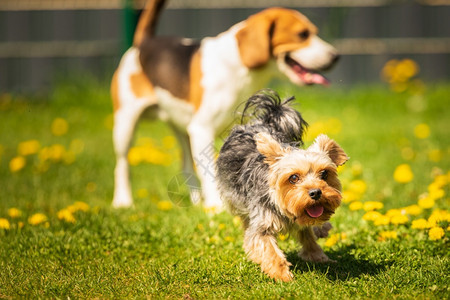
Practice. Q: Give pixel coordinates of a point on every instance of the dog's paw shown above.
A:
(322, 231)
(315, 256)
(280, 272)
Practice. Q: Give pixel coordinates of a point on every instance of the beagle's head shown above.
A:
(290, 38)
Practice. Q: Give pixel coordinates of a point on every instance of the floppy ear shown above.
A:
(269, 147)
(254, 41)
(324, 144)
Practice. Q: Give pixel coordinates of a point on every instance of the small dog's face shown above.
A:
(292, 40)
(304, 183)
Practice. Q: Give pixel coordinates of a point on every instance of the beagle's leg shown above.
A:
(188, 166)
(125, 120)
(203, 153)
(311, 251)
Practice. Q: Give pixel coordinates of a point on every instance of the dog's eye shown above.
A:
(304, 34)
(323, 174)
(294, 178)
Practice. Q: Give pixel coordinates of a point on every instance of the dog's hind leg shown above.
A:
(125, 121)
(188, 166)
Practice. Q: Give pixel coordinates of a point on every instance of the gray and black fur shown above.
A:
(241, 170)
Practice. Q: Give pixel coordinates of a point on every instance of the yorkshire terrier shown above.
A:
(274, 186)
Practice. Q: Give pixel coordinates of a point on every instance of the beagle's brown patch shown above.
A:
(141, 86)
(115, 91)
(271, 32)
(195, 89)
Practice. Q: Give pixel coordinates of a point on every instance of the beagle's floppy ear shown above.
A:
(269, 147)
(254, 41)
(324, 144)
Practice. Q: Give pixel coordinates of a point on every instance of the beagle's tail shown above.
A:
(266, 108)
(147, 22)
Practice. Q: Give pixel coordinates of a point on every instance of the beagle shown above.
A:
(195, 86)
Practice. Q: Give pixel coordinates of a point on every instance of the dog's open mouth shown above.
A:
(307, 76)
(315, 211)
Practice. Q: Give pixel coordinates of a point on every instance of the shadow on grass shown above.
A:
(346, 267)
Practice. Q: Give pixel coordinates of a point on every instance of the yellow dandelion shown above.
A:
(422, 131)
(403, 173)
(17, 163)
(57, 152)
(413, 210)
(37, 219)
(426, 202)
(283, 237)
(165, 205)
(350, 196)
(229, 239)
(332, 240)
(142, 193)
(384, 235)
(436, 194)
(357, 205)
(200, 227)
(399, 219)
(408, 68)
(28, 147)
(372, 216)
(358, 186)
(66, 215)
(45, 154)
(14, 212)
(382, 220)
(440, 181)
(221, 226)
(420, 224)
(393, 212)
(237, 221)
(81, 206)
(59, 127)
(437, 216)
(436, 233)
(135, 156)
(4, 224)
(169, 142)
(372, 205)
(435, 155)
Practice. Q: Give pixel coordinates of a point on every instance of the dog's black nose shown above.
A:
(336, 58)
(315, 194)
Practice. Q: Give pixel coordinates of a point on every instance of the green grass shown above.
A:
(183, 252)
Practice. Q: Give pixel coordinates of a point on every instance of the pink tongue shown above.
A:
(315, 211)
(314, 78)
(310, 78)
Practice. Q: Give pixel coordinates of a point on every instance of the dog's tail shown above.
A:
(147, 21)
(266, 107)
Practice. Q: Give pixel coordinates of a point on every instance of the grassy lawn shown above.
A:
(59, 237)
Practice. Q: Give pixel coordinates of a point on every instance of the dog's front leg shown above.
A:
(203, 154)
(262, 248)
(311, 251)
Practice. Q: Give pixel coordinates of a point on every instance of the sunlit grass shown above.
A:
(60, 238)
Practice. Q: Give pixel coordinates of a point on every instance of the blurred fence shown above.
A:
(42, 40)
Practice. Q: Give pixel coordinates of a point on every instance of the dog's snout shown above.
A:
(315, 194)
(335, 58)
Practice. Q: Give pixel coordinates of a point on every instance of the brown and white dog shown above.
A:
(196, 86)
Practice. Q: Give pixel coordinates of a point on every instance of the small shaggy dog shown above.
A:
(274, 186)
